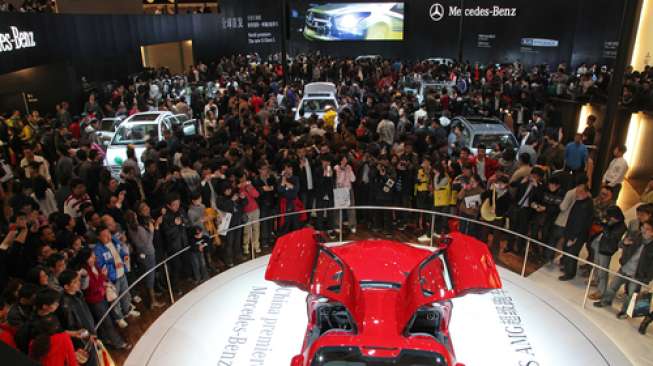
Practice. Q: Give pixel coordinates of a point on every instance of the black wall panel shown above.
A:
(102, 47)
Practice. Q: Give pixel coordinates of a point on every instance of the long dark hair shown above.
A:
(40, 346)
(131, 218)
(40, 186)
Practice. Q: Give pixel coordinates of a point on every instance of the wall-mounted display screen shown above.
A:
(354, 22)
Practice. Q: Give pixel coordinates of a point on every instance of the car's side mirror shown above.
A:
(299, 361)
(301, 111)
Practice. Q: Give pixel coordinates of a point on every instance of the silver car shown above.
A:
(108, 127)
(483, 130)
(427, 87)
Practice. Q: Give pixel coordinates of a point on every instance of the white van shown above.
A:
(317, 96)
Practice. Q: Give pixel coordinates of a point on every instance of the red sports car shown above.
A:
(380, 302)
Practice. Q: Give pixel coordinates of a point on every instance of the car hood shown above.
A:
(339, 8)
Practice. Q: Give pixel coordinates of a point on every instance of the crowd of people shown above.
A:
(74, 234)
(28, 6)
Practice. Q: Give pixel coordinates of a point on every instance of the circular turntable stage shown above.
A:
(238, 318)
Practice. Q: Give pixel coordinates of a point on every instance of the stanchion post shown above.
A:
(340, 224)
(523, 267)
(251, 239)
(432, 227)
(172, 296)
(589, 284)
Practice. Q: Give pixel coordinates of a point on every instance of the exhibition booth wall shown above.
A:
(583, 30)
(497, 31)
(108, 47)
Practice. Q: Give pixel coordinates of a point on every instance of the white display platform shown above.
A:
(238, 318)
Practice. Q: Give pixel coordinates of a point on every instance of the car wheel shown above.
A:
(377, 31)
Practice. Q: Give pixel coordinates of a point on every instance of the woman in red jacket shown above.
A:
(6, 332)
(94, 282)
(51, 348)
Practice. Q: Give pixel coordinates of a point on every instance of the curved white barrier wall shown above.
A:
(238, 318)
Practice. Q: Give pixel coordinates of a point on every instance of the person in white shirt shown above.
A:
(345, 176)
(34, 165)
(420, 114)
(616, 172)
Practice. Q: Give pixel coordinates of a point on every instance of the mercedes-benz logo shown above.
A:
(436, 12)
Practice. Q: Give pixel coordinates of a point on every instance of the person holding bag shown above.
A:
(423, 188)
(93, 285)
(344, 178)
(636, 261)
(441, 196)
(324, 194)
(606, 244)
(495, 210)
(469, 204)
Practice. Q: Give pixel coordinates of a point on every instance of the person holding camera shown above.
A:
(345, 178)
(325, 182)
(266, 184)
(251, 214)
(382, 188)
(231, 203)
(404, 189)
(289, 201)
(174, 233)
(423, 194)
(528, 201)
(469, 204)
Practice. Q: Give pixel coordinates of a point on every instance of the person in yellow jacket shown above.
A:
(423, 189)
(330, 117)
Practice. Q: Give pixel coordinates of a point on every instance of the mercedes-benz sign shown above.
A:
(436, 12)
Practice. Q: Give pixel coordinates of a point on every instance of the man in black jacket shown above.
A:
(232, 203)
(527, 199)
(174, 233)
(383, 182)
(306, 175)
(266, 184)
(577, 230)
(288, 190)
(636, 261)
(76, 317)
(551, 199)
(324, 184)
(606, 244)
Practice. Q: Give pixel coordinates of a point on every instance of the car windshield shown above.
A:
(506, 140)
(135, 134)
(316, 105)
(351, 356)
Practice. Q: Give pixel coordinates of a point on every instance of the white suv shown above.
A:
(317, 96)
(137, 129)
